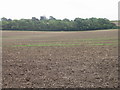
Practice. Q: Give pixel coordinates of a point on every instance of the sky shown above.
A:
(60, 9)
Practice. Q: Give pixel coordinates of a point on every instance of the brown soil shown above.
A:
(82, 66)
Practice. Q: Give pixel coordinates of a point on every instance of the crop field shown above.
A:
(84, 59)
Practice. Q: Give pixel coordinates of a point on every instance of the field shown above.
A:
(85, 59)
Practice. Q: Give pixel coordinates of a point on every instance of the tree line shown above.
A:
(53, 24)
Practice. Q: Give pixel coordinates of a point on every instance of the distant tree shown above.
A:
(35, 19)
(65, 19)
(9, 19)
(43, 18)
(4, 19)
(79, 22)
(52, 18)
(53, 24)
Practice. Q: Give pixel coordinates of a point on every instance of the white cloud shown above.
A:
(59, 8)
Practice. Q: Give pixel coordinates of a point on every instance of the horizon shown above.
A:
(55, 18)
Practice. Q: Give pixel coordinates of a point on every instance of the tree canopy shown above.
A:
(53, 24)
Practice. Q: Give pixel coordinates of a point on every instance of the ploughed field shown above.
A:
(85, 59)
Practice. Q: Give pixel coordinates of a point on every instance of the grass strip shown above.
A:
(49, 45)
(97, 44)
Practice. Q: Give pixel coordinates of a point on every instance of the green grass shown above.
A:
(88, 42)
(48, 45)
(98, 44)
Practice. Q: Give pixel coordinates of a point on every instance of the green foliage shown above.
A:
(53, 24)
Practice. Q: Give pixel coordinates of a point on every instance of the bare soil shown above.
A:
(75, 66)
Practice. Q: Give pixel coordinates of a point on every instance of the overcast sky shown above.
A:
(17, 9)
